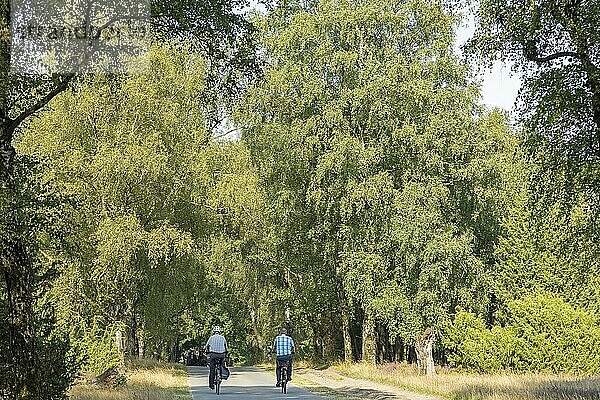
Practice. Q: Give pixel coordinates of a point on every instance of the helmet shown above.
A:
(217, 329)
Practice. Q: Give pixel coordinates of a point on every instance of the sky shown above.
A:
(499, 85)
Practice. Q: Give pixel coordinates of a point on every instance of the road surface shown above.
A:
(245, 383)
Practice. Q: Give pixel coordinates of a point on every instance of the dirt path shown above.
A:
(358, 388)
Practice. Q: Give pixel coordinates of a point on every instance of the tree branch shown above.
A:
(60, 87)
(121, 18)
(226, 133)
(534, 57)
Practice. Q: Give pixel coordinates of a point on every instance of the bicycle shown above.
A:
(218, 378)
(285, 364)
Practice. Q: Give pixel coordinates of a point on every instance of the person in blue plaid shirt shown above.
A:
(284, 348)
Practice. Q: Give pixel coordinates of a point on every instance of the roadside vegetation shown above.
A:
(146, 380)
(470, 386)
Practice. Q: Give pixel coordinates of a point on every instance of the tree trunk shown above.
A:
(592, 78)
(399, 350)
(343, 304)
(16, 270)
(368, 343)
(140, 336)
(131, 341)
(19, 286)
(15, 264)
(316, 349)
(424, 349)
(384, 347)
(258, 339)
(348, 356)
(174, 353)
(329, 345)
(120, 344)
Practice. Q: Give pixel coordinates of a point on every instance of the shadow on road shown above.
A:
(245, 383)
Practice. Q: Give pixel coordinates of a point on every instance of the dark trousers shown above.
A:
(282, 360)
(213, 361)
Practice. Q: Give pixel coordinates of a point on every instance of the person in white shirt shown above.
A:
(216, 347)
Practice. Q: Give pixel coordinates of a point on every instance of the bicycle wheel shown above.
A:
(284, 380)
(218, 379)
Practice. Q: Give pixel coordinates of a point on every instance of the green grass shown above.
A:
(146, 380)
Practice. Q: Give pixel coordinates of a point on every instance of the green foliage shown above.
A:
(43, 231)
(369, 191)
(222, 33)
(555, 45)
(540, 333)
(114, 174)
(127, 150)
(167, 221)
(551, 236)
(474, 347)
(385, 181)
(97, 347)
(556, 337)
(549, 243)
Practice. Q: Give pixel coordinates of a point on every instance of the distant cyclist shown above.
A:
(284, 348)
(216, 347)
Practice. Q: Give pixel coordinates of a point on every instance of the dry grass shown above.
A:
(320, 390)
(146, 380)
(463, 386)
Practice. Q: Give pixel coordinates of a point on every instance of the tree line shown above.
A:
(370, 203)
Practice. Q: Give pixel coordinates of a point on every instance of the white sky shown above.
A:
(500, 85)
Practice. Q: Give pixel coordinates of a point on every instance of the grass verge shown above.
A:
(146, 380)
(463, 386)
(321, 390)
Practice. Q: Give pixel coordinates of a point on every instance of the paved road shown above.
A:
(245, 383)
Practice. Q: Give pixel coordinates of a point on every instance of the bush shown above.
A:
(556, 337)
(474, 347)
(98, 350)
(542, 333)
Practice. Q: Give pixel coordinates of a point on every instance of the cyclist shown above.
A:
(284, 348)
(216, 347)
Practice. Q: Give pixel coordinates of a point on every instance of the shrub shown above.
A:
(98, 350)
(542, 333)
(555, 336)
(48, 374)
(474, 347)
